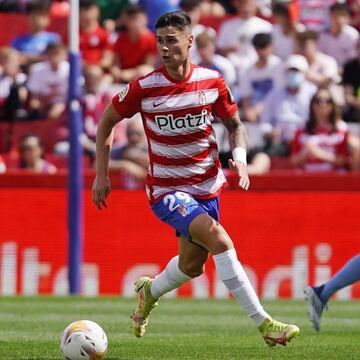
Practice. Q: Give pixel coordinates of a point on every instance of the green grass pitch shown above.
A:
(30, 328)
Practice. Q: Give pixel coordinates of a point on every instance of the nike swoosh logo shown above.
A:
(156, 104)
(281, 340)
(139, 288)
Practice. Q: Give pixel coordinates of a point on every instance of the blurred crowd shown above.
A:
(293, 67)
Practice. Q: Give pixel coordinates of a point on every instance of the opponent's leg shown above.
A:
(347, 275)
(210, 234)
(318, 296)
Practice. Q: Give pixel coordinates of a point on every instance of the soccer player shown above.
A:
(318, 296)
(177, 103)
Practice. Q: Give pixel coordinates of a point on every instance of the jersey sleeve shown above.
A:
(128, 101)
(225, 105)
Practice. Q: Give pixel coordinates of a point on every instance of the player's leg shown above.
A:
(318, 296)
(180, 269)
(178, 210)
(208, 233)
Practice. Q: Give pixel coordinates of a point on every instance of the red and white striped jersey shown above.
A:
(177, 117)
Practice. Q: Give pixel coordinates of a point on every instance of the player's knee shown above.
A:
(219, 237)
(210, 234)
(192, 269)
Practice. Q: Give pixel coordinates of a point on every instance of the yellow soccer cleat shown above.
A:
(275, 332)
(146, 303)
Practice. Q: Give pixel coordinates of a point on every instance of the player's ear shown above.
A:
(190, 41)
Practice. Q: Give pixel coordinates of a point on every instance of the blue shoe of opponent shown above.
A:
(315, 305)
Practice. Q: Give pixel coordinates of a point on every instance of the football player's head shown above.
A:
(174, 38)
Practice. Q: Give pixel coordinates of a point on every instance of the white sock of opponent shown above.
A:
(235, 279)
(169, 279)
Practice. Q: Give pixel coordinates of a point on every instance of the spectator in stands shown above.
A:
(48, 83)
(13, 93)
(315, 14)
(323, 69)
(110, 10)
(208, 58)
(94, 40)
(235, 35)
(134, 51)
(354, 6)
(193, 8)
(260, 78)
(33, 45)
(132, 158)
(284, 30)
(323, 144)
(339, 41)
(287, 107)
(351, 83)
(94, 100)
(212, 8)
(31, 152)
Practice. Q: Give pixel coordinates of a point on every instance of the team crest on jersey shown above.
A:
(182, 210)
(202, 98)
(123, 93)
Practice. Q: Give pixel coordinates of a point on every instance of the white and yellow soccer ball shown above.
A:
(84, 340)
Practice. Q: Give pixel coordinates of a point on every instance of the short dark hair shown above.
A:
(133, 10)
(87, 4)
(281, 9)
(54, 46)
(340, 7)
(189, 5)
(261, 40)
(303, 36)
(38, 6)
(177, 19)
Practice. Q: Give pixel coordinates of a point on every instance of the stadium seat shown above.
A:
(61, 162)
(5, 137)
(47, 130)
(11, 160)
(281, 163)
(17, 24)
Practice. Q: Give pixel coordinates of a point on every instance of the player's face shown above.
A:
(173, 45)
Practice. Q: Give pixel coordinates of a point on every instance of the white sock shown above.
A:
(169, 279)
(235, 279)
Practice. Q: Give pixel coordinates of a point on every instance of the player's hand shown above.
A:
(100, 190)
(240, 169)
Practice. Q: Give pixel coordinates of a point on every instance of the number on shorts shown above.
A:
(170, 199)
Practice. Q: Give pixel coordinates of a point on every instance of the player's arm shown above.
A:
(104, 137)
(238, 145)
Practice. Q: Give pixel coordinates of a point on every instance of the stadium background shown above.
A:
(291, 229)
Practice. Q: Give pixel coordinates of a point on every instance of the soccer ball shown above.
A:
(84, 340)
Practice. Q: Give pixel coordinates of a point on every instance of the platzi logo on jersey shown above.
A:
(168, 122)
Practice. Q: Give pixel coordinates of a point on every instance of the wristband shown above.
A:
(239, 154)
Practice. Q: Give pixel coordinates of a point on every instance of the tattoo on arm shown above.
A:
(237, 133)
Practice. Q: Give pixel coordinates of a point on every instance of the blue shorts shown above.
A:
(179, 209)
